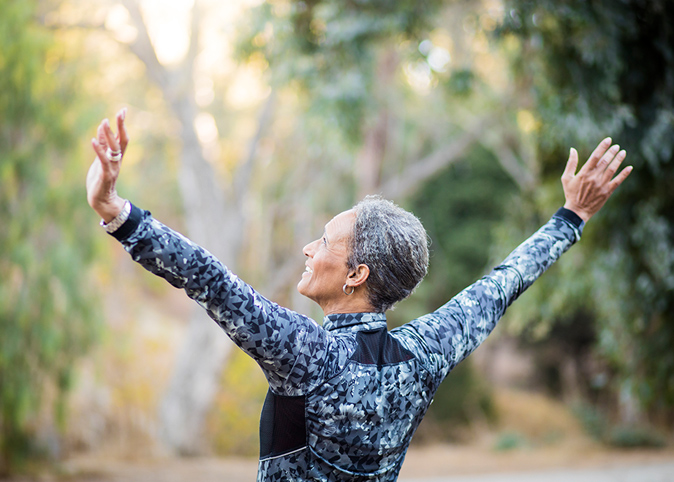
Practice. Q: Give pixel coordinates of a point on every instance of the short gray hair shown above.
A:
(393, 244)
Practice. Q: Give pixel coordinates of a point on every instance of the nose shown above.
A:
(310, 249)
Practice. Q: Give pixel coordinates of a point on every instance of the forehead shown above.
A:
(341, 225)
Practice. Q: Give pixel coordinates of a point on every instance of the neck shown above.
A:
(355, 303)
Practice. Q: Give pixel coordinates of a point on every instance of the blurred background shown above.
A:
(252, 123)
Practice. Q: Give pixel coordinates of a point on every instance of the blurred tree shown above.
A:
(213, 216)
(459, 209)
(597, 69)
(48, 316)
(363, 66)
(213, 204)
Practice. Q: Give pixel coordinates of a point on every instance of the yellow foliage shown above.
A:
(233, 425)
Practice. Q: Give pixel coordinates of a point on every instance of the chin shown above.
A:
(301, 289)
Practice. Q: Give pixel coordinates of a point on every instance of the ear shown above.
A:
(358, 276)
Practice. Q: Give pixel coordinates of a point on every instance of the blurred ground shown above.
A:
(536, 439)
(450, 463)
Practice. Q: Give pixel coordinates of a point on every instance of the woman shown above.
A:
(345, 398)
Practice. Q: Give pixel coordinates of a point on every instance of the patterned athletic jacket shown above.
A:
(344, 398)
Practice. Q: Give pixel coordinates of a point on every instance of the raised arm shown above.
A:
(274, 336)
(454, 330)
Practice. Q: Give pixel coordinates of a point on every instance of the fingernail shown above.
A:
(608, 140)
(124, 113)
(106, 122)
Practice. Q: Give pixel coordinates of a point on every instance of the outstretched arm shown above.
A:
(453, 331)
(274, 336)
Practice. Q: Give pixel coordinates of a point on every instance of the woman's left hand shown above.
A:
(102, 176)
(588, 190)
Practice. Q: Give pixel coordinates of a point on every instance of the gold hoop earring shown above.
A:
(353, 288)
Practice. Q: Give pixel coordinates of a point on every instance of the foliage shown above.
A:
(510, 441)
(237, 409)
(597, 425)
(47, 315)
(627, 436)
(597, 69)
(593, 420)
(459, 209)
(331, 49)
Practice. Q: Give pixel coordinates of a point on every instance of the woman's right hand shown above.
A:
(102, 176)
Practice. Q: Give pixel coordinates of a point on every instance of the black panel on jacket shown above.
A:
(379, 348)
(282, 425)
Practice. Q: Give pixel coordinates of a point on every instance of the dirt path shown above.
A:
(439, 463)
(658, 472)
(577, 464)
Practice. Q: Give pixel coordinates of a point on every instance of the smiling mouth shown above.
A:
(308, 270)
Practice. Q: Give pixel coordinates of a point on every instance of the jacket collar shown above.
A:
(352, 322)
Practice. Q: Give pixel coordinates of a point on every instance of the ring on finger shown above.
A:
(114, 156)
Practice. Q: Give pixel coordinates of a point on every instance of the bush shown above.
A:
(627, 436)
(510, 441)
(597, 425)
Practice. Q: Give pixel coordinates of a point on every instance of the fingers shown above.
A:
(121, 128)
(614, 163)
(607, 158)
(618, 180)
(106, 138)
(101, 137)
(597, 154)
(99, 149)
(110, 136)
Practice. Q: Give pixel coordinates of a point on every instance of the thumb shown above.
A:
(571, 165)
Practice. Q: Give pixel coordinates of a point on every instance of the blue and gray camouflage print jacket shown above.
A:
(344, 398)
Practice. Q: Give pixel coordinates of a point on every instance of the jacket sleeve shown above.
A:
(284, 343)
(451, 333)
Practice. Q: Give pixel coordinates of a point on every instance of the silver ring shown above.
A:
(114, 156)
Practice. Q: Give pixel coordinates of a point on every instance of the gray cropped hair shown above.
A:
(393, 244)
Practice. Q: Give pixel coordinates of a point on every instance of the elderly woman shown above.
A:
(345, 398)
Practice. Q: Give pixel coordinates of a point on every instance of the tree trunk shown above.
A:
(368, 169)
(202, 355)
(214, 220)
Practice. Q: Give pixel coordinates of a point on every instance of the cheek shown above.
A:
(329, 269)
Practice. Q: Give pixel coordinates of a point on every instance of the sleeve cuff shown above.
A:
(571, 217)
(130, 224)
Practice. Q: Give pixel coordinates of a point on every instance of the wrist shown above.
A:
(577, 211)
(116, 223)
(110, 210)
